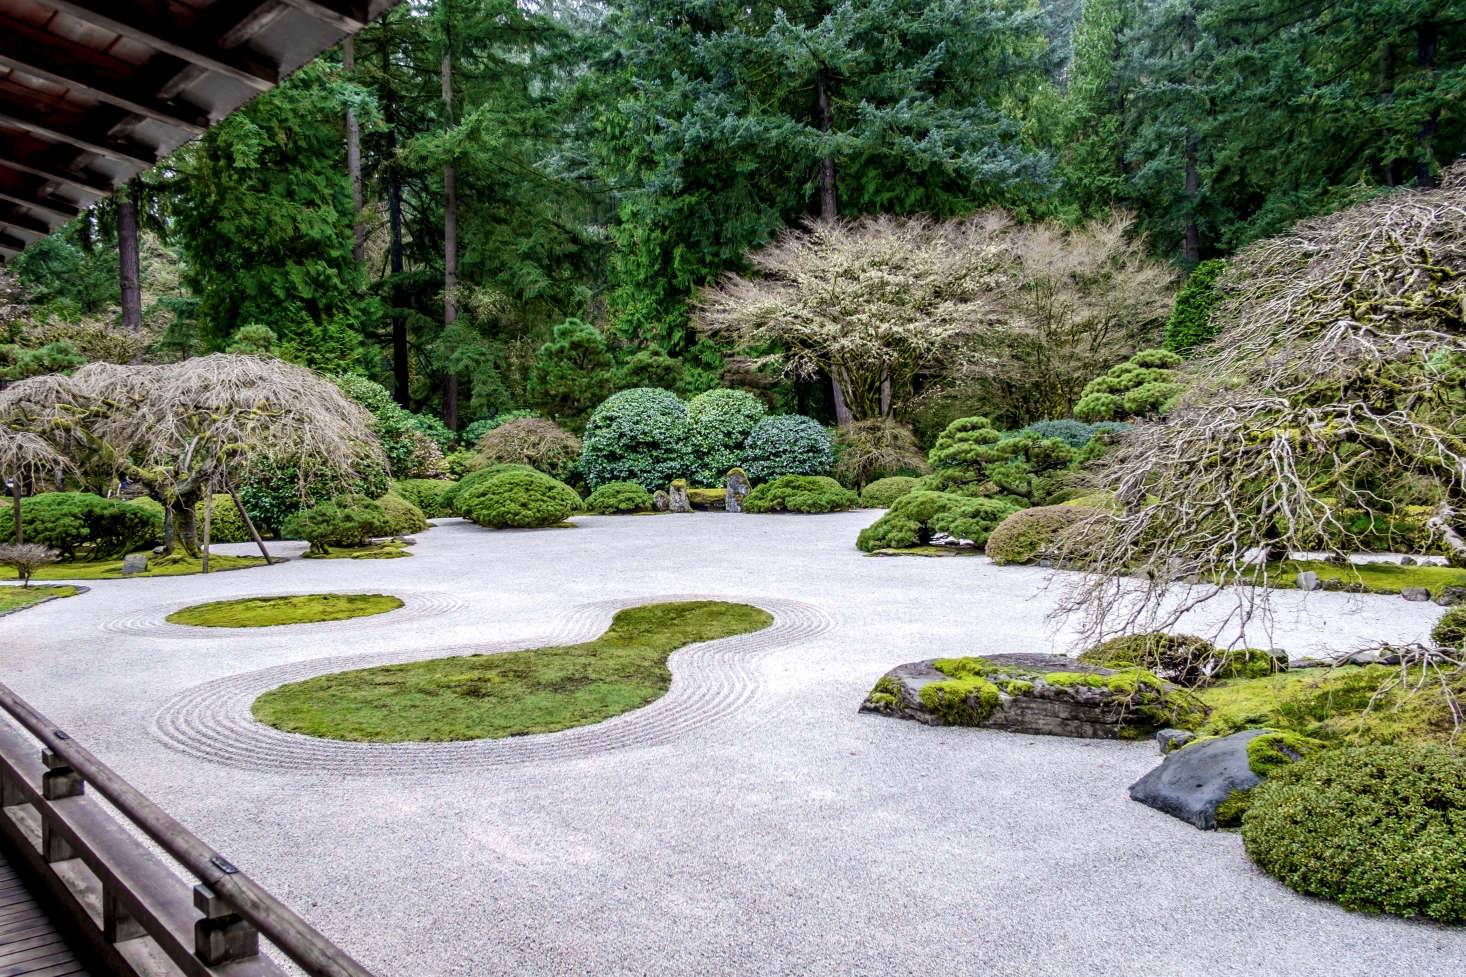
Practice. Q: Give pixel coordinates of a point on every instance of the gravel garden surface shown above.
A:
(751, 822)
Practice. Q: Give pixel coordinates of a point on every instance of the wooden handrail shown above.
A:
(225, 889)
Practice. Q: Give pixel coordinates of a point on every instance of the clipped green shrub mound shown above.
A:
(972, 458)
(428, 494)
(1450, 630)
(1029, 535)
(883, 492)
(640, 435)
(618, 497)
(1190, 323)
(721, 422)
(266, 612)
(1139, 387)
(350, 520)
(472, 481)
(1182, 658)
(788, 444)
(82, 526)
(916, 517)
(1376, 829)
(403, 517)
(800, 493)
(519, 500)
(1076, 434)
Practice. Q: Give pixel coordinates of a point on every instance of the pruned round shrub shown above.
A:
(618, 497)
(1142, 385)
(82, 526)
(428, 494)
(1029, 535)
(1374, 828)
(883, 492)
(721, 423)
(542, 445)
(915, 518)
(640, 435)
(868, 450)
(519, 500)
(349, 520)
(472, 480)
(404, 517)
(800, 493)
(788, 444)
(1450, 630)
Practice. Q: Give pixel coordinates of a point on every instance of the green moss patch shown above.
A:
(16, 598)
(511, 694)
(391, 550)
(1377, 578)
(177, 565)
(266, 612)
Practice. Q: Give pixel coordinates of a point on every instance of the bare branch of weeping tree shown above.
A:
(1338, 377)
(184, 429)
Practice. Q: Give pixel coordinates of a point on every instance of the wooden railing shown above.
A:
(125, 902)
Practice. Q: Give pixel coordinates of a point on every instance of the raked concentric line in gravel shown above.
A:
(710, 681)
(153, 622)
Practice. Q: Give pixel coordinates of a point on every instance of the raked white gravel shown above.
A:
(753, 823)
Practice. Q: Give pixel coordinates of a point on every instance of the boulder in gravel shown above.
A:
(660, 501)
(1451, 596)
(1308, 580)
(134, 563)
(1171, 740)
(1416, 594)
(1207, 782)
(1043, 694)
(738, 486)
(677, 500)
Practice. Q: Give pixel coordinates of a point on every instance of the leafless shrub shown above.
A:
(872, 448)
(531, 441)
(26, 559)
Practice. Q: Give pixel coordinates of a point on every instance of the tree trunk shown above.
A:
(886, 396)
(249, 524)
(837, 395)
(1426, 39)
(828, 205)
(129, 267)
(1191, 244)
(353, 160)
(180, 528)
(401, 376)
(450, 239)
(15, 508)
(208, 526)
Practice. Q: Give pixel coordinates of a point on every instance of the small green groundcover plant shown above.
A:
(800, 493)
(519, 500)
(1375, 828)
(512, 693)
(615, 498)
(265, 612)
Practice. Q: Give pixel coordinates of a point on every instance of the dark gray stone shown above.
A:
(1171, 740)
(1190, 784)
(134, 563)
(737, 486)
(1407, 561)
(677, 500)
(1308, 580)
(1416, 594)
(1451, 596)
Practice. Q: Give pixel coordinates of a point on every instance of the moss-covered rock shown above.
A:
(1450, 630)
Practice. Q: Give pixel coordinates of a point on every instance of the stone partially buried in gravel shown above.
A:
(1043, 694)
(1191, 783)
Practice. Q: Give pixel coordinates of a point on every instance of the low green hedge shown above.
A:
(471, 481)
(349, 520)
(619, 497)
(82, 526)
(800, 493)
(883, 492)
(518, 500)
(1376, 828)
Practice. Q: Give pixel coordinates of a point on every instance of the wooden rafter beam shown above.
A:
(85, 182)
(24, 223)
(160, 35)
(11, 245)
(59, 209)
(39, 54)
(344, 16)
(35, 122)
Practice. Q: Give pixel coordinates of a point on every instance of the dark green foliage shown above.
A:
(571, 372)
(883, 492)
(1139, 387)
(518, 499)
(916, 517)
(410, 442)
(404, 517)
(618, 497)
(348, 520)
(1076, 434)
(1189, 325)
(1377, 829)
(640, 435)
(473, 479)
(18, 363)
(650, 367)
(788, 444)
(1450, 630)
(800, 493)
(428, 494)
(971, 458)
(1031, 534)
(82, 526)
(721, 422)
(273, 492)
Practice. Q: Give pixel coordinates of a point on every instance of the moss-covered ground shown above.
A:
(391, 550)
(930, 551)
(15, 598)
(1379, 578)
(265, 612)
(170, 566)
(510, 694)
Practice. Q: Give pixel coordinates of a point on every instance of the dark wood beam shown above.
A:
(46, 171)
(255, 21)
(40, 55)
(161, 35)
(30, 120)
(12, 245)
(59, 209)
(344, 16)
(24, 223)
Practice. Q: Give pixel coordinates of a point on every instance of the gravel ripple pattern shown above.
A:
(710, 681)
(153, 622)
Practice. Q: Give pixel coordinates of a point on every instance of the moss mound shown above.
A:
(1377, 829)
(16, 598)
(266, 612)
(800, 493)
(1029, 535)
(1450, 630)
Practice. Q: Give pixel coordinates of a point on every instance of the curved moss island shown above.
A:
(511, 693)
(267, 612)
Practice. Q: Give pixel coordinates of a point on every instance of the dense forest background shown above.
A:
(492, 205)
